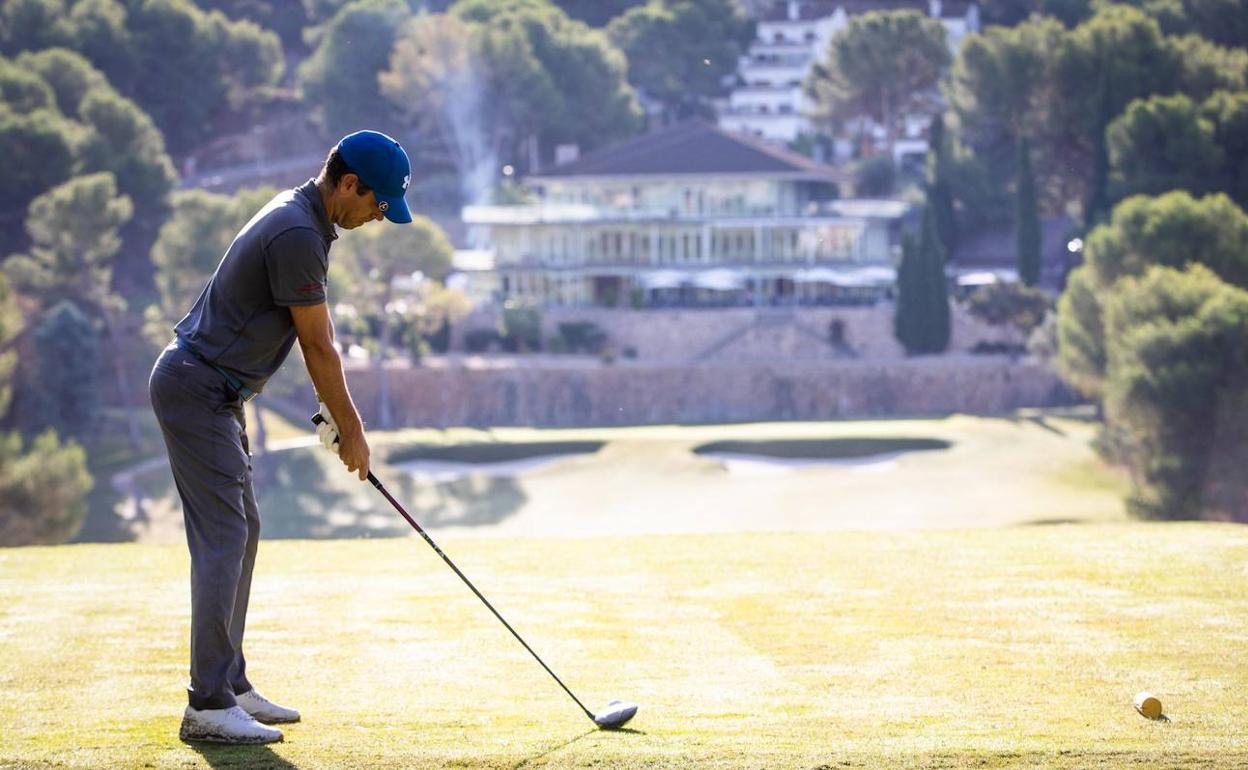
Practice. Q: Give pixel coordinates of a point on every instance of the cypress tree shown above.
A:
(1097, 204)
(922, 321)
(939, 190)
(66, 350)
(1028, 220)
(907, 318)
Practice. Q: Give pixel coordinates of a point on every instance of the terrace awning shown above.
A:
(988, 277)
(871, 275)
(662, 279)
(720, 279)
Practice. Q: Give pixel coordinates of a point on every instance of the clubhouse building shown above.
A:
(689, 216)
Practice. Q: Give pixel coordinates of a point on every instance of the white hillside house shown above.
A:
(769, 104)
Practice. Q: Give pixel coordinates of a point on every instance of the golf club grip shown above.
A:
(317, 420)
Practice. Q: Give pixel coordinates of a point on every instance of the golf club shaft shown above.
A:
(381, 488)
(317, 420)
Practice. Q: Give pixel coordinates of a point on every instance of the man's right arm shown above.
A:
(315, 330)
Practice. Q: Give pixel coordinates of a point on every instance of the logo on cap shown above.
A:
(383, 205)
(407, 179)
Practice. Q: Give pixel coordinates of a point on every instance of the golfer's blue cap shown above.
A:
(380, 163)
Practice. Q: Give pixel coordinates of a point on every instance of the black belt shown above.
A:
(242, 390)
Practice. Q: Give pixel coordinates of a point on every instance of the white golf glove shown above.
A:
(327, 429)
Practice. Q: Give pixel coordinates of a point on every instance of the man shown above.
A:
(268, 291)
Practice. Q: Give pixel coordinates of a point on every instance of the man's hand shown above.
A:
(326, 428)
(353, 451)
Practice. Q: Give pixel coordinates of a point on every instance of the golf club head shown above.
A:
(615, 715)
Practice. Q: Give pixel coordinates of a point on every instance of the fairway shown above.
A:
(1002, 647)
(988, 472)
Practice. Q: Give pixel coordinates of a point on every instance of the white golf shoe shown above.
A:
(232, 725)
(265, 710)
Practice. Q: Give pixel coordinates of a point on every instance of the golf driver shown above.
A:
(614, 716)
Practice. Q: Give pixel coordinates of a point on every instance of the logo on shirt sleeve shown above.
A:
(311, 287)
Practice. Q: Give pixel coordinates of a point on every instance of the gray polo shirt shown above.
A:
(241, 321)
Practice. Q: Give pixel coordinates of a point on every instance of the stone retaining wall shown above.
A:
(736, 334)
(591, 393)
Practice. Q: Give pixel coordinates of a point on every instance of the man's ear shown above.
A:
(348, 182)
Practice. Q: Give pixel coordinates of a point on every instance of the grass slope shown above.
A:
(1013, 647)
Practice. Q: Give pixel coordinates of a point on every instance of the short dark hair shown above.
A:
(336, 167)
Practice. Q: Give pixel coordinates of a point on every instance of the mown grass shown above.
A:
(1006, 647)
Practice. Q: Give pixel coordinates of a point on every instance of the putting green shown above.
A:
(1002, 647)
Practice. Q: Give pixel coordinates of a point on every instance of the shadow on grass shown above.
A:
(306, 493)
(303, 494)
(1040, 421)
(824, 449)
(538, 757)
(492, 452)
(239, 757)
(1051, 522)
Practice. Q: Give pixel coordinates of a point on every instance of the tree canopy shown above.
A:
(339, 79)
(378, 270)
(44, 483)
(73, 230)
(1176, 354)
(156, 52)
(189, 247)
(1174, 230)
(681, 51)
(593, 104)
(882, 65)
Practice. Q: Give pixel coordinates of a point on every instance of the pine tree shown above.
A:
(1028, 220)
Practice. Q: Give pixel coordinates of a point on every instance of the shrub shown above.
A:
(582, 337)
(480, 340)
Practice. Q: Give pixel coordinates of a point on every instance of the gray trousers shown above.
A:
(205, 433)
